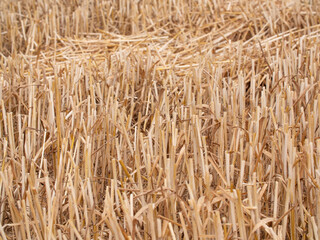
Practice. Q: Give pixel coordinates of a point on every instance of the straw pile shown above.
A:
(173, 119)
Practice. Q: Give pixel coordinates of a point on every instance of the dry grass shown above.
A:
(173, 119)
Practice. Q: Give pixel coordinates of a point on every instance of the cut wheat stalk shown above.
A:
(159, 119)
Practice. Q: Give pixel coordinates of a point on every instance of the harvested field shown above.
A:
(172, 119)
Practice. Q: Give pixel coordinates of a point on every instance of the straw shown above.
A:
(159, 119)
